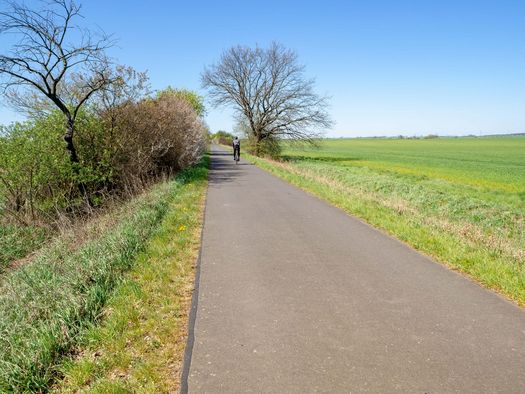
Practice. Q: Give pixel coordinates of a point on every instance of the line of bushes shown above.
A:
(126, 140)
(121, 149)
(46, 305)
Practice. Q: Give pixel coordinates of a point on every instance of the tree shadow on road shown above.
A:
(223, 167)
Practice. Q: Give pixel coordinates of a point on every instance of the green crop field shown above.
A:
(460, 200)
(493, 164)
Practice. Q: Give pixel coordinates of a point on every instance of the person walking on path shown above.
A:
(236, 148)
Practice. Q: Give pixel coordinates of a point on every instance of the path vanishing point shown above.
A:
(295, 296)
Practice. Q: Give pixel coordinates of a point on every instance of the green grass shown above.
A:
(461, 200)
(139, 347)
(17, 242)
(491, 164)
(46, 306)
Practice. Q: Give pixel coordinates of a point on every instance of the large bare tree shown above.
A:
(52, 58)
(270, 93)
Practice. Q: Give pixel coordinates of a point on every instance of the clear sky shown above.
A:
(391, 67)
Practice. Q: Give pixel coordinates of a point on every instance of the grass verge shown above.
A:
(139, 347)
(480, 239)
(46, 307)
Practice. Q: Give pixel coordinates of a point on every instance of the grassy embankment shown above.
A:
(460, 200)
(50, 308)
(139, 347)
(17, 242)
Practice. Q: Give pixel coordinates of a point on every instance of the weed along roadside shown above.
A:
(468, 216)
(51, 309)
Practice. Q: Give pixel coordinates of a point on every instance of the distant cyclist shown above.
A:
(236, 148)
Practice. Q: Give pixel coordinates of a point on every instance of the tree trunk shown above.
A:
(258, 145)
(68, 137)
(73, 157)
(258, 139)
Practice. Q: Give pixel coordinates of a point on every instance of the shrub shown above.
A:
(154, 137)
(35, 173)
(124, 143)
(193, 99)
(133, 147)
(222, 137)
(269, 147)
(37, 179)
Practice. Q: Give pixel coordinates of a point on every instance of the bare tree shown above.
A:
(52, 58)
(269, 92)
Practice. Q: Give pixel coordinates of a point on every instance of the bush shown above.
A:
(122, 149)
(269, 147)
(222, 137)
(193, 99)
(133, 147)
(37, 179)
(35, 172)
(154, 137)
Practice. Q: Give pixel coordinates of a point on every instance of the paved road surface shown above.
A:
(297, 297)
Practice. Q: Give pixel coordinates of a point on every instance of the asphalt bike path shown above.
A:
(295, 296)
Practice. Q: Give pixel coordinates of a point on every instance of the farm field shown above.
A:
(489, 164)
(460, 200)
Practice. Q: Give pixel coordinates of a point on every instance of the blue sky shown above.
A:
(391, 67)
